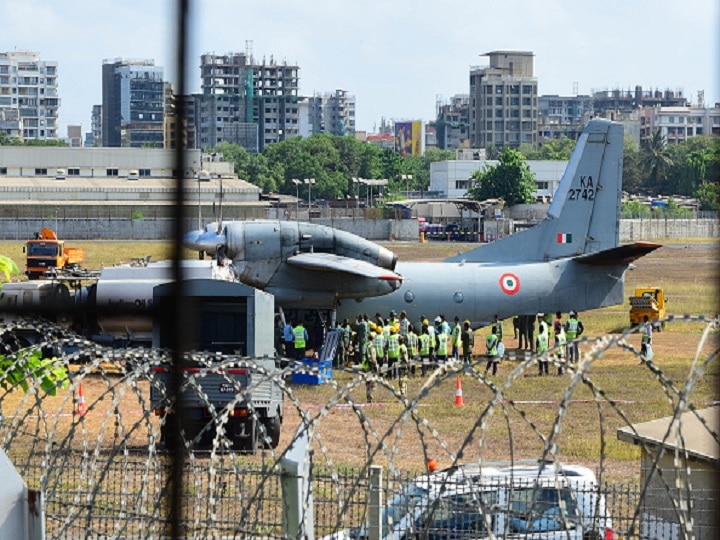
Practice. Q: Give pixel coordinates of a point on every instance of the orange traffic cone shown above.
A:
(80, 402)
(458, 392)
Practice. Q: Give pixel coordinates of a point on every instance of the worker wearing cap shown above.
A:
(491, 343)
(403, 323)
(467, 339)
(402, 366)
(573, 330)
(432, 332)
(412, 344)
(393, 352)
(455, 339)
(442, 346)
(543, 343)
(424, 339)
(370, 367)
(380, 346)
(560, 344)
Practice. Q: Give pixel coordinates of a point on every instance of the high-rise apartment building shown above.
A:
(503, 101)
(332, 113)
(29, 91)
(245, 101)
(563, 116)
(453, 122)
(132, 103)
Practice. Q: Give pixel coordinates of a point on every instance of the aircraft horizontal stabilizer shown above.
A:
(336, 263)
(618, 255)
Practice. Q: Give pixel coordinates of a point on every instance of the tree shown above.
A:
(708, 195)
(657, 162)
(510, 180)
(632, 170)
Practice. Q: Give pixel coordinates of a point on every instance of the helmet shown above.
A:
(392, 313)
(572, 313)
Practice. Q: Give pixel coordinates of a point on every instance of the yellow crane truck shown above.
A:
(648, 301)
(46, 254)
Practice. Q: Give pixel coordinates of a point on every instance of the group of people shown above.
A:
(398, 348)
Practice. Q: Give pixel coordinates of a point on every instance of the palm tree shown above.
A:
(657, 160)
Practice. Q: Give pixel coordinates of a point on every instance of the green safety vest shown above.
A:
(442, 344)
(380, 345)
(299, 333)
(412, 341)
(543, 340)
(393, 346)
(424, 345)
(572, 328)
(455, 338)
(433, 336)
(491, 344)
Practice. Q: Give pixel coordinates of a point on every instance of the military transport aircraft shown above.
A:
(570, 260)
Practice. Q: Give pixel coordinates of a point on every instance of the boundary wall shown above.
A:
(631, 230)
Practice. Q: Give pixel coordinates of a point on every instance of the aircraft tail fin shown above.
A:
(584, 216)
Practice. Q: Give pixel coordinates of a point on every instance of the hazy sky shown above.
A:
(398, 57)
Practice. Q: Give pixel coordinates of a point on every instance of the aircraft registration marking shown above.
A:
(509, 283)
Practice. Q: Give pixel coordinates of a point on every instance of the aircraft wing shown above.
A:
(336, 263)
(618, 255)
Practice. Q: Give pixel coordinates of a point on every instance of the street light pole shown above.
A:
(309, 182)
(297, 196)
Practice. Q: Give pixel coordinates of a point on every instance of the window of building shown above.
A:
(144, 172)
(527, 89)
(498, 125)
(514, 88)
(499, 101)
(488, 126)
(111, 172)
(3, 171)
(489, 101)
(526, 101)
(543, 185)
(73, 171)
(499, 89)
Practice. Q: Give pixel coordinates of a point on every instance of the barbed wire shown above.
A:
(74, 455)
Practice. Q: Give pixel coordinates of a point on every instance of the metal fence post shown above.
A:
(297, 494)
(375, 503)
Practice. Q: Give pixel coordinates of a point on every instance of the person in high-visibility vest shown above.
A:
(300, 340)
(646, 344)
(424, 349)
(543, 342)
(455, 339)
(499, 329)
(491, 343)
(573, 330)
(442, 347)
(393, 352)
(370, 367)
(412, 345)
(380, 346)
(432, 332)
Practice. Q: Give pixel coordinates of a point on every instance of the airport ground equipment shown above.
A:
(648, 301)
(46, 254)
(241, 395)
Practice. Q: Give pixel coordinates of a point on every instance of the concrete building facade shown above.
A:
(245, 93)
(451, 179)
(678, 124)
(29, 100)
(504, 101)
(453, 123)
(332, 113)
(133, 103)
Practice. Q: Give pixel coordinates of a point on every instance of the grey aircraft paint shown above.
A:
(571, 260)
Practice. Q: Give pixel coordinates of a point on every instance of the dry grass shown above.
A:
(521, 422)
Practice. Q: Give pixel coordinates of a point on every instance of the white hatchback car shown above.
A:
(543, 500)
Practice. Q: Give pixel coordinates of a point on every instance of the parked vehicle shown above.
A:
(46, 254)
(648, 301)
(543, 500)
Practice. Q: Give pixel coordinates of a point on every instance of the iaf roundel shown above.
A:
(509, 283)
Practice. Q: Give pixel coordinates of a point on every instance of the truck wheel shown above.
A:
(272, 431)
